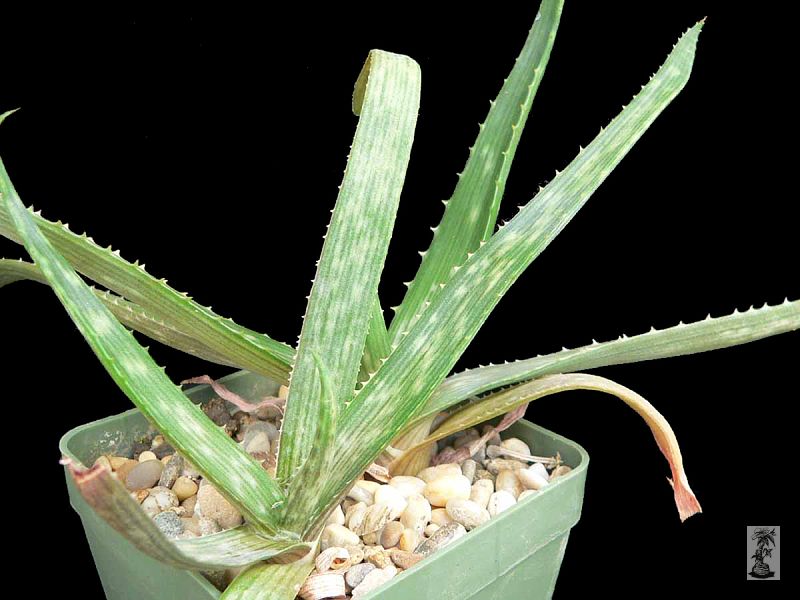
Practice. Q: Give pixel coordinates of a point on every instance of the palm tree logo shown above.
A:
(765, 537)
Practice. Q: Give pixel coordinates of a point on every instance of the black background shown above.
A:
(209, 145)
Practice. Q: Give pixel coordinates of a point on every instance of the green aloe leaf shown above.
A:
(236, 547)
(471, 213)
(377, 346)
(702, 336)
(503, 402)
(236, 475)
(423, 358)
(342, 299)
(130, 314)
(270, 581)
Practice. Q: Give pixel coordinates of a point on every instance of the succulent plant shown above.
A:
(361, 391)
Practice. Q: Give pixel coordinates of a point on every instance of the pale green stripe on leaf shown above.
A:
(130, 314)
(471, 213)
(237, 476)
(423, 358)
(377, 345)
(503, 402)
(702, 336)
(270, 581)
(236, 547)
(346, 283)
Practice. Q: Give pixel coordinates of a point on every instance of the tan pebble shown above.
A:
(140, 495)
(481, 491)
(322, 585)
(390, 534)
(468, 469)
(165, 497)
(150, 506)
(440, 490)
(215, 506)
(104, 462)
(354, 516)
(144, 475)
(373, 580)
(356, 553)
(417, 514)
(531, 480)
(117, 461)
(391, 497)
(440, 517)
(467, 512)
(409, 540)
(516, 445)
(496, 465)
(363, 492)
(336, 516)
(372, 538)
(208, 526)
(526, 494)
(147, 455)
(333, 558)
(404, 559)
(407, 485)
(377, 556)
(430, 473)
(191, 524)
(125, 468)
(337, 535)
(347, 503)
(189, 505)
(374, 519)
(483, 474)
(560, 471)
(431, 529)
(499, 502)
(165, 459)
(443, 536)
(184, 488)
(507, 480)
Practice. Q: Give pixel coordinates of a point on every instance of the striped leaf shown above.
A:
(130, 314)
(342, 299)
(503, 402)
(235, 474)
(236, 547)
(471, 213)
(423, 358)
(270, 581)
(702, 336)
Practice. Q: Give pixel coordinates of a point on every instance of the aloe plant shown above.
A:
(361, 391)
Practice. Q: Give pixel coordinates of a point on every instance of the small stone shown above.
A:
(407, 485)
(147, 455)
(337, 535)
(540, 469)
(390, 534)
(214, 506)
(256, 427)
(356, 553)
(507, 480)
(217, 411)
(431, 529)
(169, 523)
(484, 474)
(150, 506)
(516, 445)
(468, 469)
(184, 488)
(526, 494)
(403, 559)
(171, 472)
(336, 517)
(441, 538)
(117, 461)
(208, 526)
(391, 497)
(481, 491)
(409, 540)
(429, 474)
(356, 574)
(440, 490)
(417, 513)
(467, 512)
(165, 497)
(363, 491)
(144, 475)
(378, 556)
(189, 504)
(440, 517)
(499, 502)
(560, 471)
(354, 516)
(373, 580)
(191, 524)
(495, 465)
(531, 480)
(333, 559)
(322, 585)
(374, 519)
(256, 444)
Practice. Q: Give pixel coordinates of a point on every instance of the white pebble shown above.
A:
(429, 474)
(407, 485)
(481, 491)
(467, 512)
(391, 497)
(531, 480)
(516, 445)
(507, 480)
(442, 489)
(499, 502)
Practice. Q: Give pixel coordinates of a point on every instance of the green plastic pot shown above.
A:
(516, 555)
